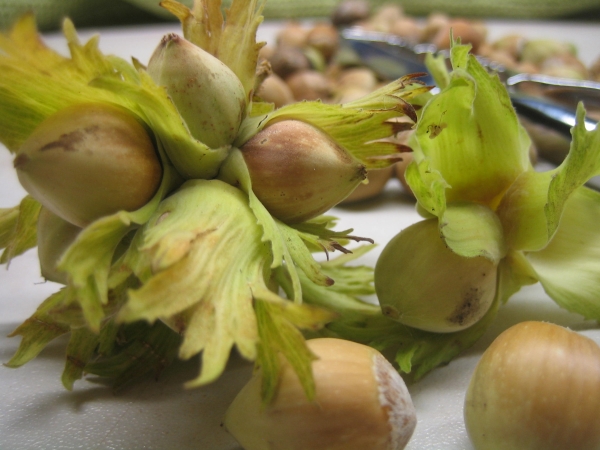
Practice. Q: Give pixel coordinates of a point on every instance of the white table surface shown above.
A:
(37, 413)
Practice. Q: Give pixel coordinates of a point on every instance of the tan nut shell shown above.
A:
(88, 161)
(361, 403)
(298, 172)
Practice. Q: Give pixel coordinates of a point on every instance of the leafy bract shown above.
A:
(8, 223)
(532, 207)
(514, 272)
(203, 249)
(18, 231)
(568, 266)
(428, 186)
(122, 352)
(581, 164)
(361, 127)
(142, 348)
(38, 331)
(472, 229)
(344, 297)
(235, 172)
(521, 211)
(280, 323)
(470, 134)
(205, 269)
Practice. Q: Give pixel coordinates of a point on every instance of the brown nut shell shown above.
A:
(287, 60)
(299, 172)
(325, 38)
(309, 85)
(274, 90)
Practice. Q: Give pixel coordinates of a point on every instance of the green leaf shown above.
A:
(514, 272)
(360, 127)
(302, 257)
(521, 211)
(204, 250)
(36, 82)
(459, 54)
(416, 352)
(355, 280)
(8, 223)
(470, 134)
(237, 47)
(278, 323)
(568, 266)
(531, 209)
(23, 234)
(472, 229)
(428, 186)
(430, 350)
(28, 93)
(318, 235)
(80, 349)
(344, 296)
(142, 349)
(581, 164)
(436, 65)
(38, 330)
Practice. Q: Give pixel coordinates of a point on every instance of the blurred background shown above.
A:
(91, 13)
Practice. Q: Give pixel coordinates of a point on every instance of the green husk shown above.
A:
(18, 229)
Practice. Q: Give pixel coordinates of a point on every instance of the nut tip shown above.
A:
(20, 161)
(171, 37)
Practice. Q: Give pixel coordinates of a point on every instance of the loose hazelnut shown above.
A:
(309, 85)
(274, 90)
(361, 403)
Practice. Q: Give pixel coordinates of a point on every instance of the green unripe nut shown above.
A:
(207, 94)
(430, 287)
